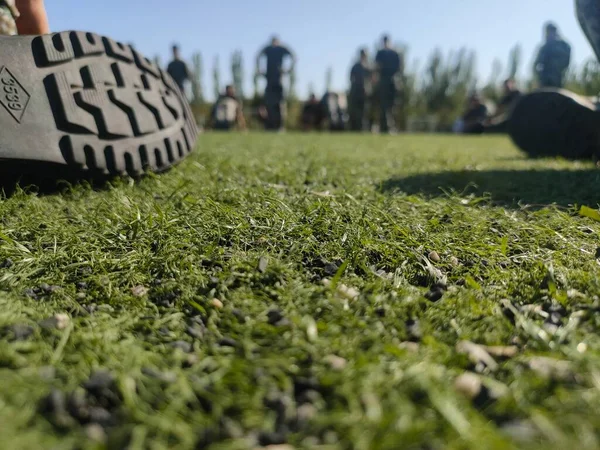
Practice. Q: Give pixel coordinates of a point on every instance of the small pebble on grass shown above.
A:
(95, 433)
(469, 385)
(139, 291)
(58, 322)
(216, 303)
(412, 347)
(477, 354)
(434, 256)
(551, 368)
(263, 263)
(336, 362)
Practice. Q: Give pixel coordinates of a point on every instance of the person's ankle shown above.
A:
(33, 19)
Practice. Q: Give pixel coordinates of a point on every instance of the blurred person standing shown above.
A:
(387, 65)
(360, 89)
(275, 55)
(553, 59)
(178, 69)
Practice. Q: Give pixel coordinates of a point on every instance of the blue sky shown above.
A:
(323, 33)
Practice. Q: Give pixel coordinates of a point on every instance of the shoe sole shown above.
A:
(554, 122)
(84, 103)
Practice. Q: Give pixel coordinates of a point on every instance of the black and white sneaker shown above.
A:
(75, 103)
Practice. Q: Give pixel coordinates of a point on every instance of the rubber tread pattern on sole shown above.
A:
(119, 112)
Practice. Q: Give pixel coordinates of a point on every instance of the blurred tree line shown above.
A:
(436, 90)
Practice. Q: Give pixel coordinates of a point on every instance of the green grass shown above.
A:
(319, 250)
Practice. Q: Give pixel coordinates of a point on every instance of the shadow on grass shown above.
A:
(512, 188)
(44, 179)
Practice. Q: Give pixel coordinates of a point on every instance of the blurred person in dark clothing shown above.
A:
(387, 65)
(178, 69)
(275, 54)
(360, 89)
